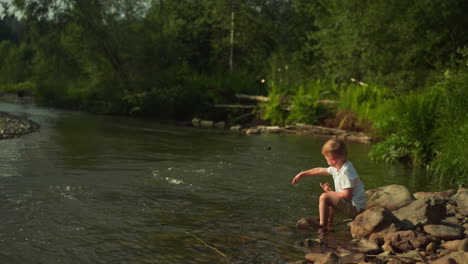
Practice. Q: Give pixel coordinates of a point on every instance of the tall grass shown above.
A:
(299, 104)
(363, 101)
(408, 124)
(274, 110)
(451, 161)
(305, 105)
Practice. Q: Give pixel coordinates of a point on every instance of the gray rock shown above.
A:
(444, 232)
(391, 197)
(423, 211)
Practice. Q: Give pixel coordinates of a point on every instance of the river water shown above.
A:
(101, 189)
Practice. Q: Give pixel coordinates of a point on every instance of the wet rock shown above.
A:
(407, 240)
(371, 221)
(284, 230)
(391, 197)
(12, 126)
(308, 243)
(444, 232)
(423, 211)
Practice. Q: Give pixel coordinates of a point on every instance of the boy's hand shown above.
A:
(296, 178)
(326, 187)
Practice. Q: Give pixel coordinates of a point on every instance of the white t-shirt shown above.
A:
(347, 177)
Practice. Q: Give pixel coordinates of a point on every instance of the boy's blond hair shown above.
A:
(335, 147)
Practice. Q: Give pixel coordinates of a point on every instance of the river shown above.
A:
(101, 189)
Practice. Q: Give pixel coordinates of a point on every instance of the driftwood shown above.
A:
(235, 106)
(253, 97)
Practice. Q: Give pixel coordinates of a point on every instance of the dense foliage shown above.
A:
(176, 59)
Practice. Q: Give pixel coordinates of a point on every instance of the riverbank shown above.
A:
(12, 126)
(300, 129)
(402, 228)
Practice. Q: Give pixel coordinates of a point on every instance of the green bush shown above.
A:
(408, 124)
(305, 106)
(362, 101)
(451, 160)
(273, 110)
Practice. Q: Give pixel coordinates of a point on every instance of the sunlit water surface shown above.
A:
(100, 189)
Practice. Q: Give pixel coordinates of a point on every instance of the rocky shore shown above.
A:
(302, 129)
(403, 228)
(12, 126)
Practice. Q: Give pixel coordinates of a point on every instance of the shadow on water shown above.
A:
(98, 189)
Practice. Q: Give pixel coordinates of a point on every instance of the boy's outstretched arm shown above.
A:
(311, 172)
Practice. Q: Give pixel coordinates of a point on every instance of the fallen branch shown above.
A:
(253, 97)
(235, 106)
(213, 248)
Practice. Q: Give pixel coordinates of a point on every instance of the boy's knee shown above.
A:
(324, 196)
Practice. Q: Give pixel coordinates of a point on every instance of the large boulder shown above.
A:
(371, 221)
(422, 211)
(391, 197)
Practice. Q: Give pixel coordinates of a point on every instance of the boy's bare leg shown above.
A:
(331, 215)
(325, 202)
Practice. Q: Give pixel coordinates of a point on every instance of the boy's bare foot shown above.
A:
(309, 223)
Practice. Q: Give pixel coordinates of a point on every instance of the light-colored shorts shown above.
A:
(346, 207)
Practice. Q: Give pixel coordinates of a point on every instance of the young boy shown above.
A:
(349, 197)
